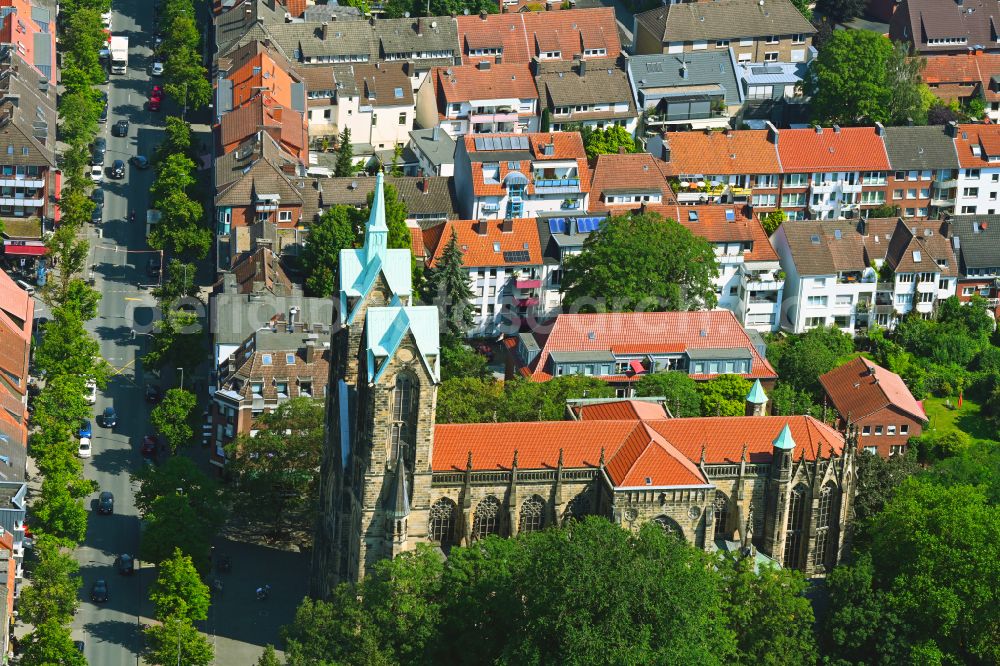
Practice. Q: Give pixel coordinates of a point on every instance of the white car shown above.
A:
(96, 173)
(91, 395)
(84, 451)
(157, 69)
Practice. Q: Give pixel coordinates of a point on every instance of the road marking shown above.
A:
(123, 368)
(129, 298)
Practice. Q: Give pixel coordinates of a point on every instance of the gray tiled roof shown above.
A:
(439, 150)
(235, 23)
(599, 84)
(703, 68)
(437, 198)
(920, 148)
(816, 250)
(724, 19)
(256, 164)
(977, 247)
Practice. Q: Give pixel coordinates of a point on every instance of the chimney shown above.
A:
(293, 315)
(425, 185)
(879, 129)
(507, 226)
(772, 133)
(482, 16)
(436, 133)
(310, 351)
(836, 128)
(583, 67)
(684, 70)
(277, 114)
(621, 150)
(483, 65)
(863, 226)
(480, 227)
(818, 128)
(952, 129)
(909, 121)
(325, 30)
(665, 154)
(420, 27)
(499, 59)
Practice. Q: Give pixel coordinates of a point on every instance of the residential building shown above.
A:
(978, 183)
(772, 82)
(561, 235)
(262, 113)
(291, 359)
(877, 403)
(17, 310)
(427, 199)
(521, 175)
(773, 32)
(976, 242)
(435, 152)
(8, 588)
(13, 508)
(850, 275)
(543, 36)
(376, 103)
(962, 77)
(924, 170)
(628, 181)
(479, 99)
(321, 100)
(506, 273)
(686, 90)
(30, 30)
(952, 26)
(264, 71)
(417, 482)
(593, 93)
(621, 347)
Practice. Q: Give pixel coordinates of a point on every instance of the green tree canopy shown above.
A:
(801, 359)
(51, 643)
(678, 388)
(201, 490)
(724, 395)
(344, 166)
(176, 639)
(55, 582)
(179, 590)
(608, 141)
(173, 523)
(172, 418)
(841, 11)
(58, 510)
(335, 230)
(447, 286)
(641, 261)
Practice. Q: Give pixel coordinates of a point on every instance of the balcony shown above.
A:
(481, 118)
(763, 281)
(22, 181)
(851, 188)
(855, 277)
(551, 183)
(526, 302)
(946, 184)
(24, 203)
(527, 283)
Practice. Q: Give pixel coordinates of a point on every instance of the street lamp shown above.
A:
(182, 376)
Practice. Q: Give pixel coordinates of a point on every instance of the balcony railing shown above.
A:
(22, 181)
(765, 282)
(556, 182)
(527, 283)
(24, 203)
(479, 118)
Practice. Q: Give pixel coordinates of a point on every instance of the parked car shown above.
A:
(99, 591)
(149, 446)
(118, 169)
(155, 98)
(153, 266)
(125, 564)
(98, 150)
(106, 503)
(120, 128)
(139, 161)
(97, 196)
(85, 428)
(97, 173)
(157, 69)
(91, 395)
(97, 216)
(109, 419)
(84, 451)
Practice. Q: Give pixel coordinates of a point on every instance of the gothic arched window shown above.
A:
(405, 398)
(669, 525)
(577, 508)
(487, 518)
(442, 521)
(721, 506)
(798, 504)
(532, 514)
(823, 520)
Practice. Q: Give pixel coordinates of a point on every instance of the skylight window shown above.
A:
(290, 359)
(265, 359)
(398, 93)
(916, 256)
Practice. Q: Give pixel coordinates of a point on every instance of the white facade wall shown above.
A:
(381, 126)
(978, 191)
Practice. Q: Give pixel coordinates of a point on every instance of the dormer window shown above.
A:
(550, 55)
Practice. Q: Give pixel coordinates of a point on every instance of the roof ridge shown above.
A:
(671, 450)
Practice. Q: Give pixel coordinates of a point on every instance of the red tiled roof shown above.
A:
(480, 250)
(637, 452)
(850, 148)
(713, 225)
(566, 146)
(860, 388)
(520, 34)
(722, 153)
(957, 75)
(469, 83)
(261, 72)
(603, 332)
(16, 303)
(628, 173)
(616, 410)
(981, 137)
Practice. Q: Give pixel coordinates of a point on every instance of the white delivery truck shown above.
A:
(119, 54)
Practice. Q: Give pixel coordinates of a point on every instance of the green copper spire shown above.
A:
(784, 440)
(376, 231)
(757, 395)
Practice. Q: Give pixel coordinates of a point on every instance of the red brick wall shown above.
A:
(883, 419)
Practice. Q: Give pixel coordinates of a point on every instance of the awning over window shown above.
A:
(24, 250)
(635, 365)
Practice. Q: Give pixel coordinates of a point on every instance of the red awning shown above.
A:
(635, 365)
(25, 250)
(58, 185)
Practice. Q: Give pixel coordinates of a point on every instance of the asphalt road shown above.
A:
(119, 255)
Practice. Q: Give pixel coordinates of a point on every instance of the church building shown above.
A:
(779, 486)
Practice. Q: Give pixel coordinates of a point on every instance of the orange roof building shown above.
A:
(479, 99)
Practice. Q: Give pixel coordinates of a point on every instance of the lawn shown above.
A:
(967, 419)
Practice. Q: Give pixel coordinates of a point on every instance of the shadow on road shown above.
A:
(113, 631)
(116, 461)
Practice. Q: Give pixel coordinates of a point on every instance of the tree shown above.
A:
(55, 583)
(66, 348)
(878, 479)
(172, 418)
(857, 616)
(176, 139)
(771, 221)
(858, 79)
(680, 391)
(768, 613)
(395, 218)
(179, 283)
(344, 166)
(641, 261)
(179, 590)
(275, 470)
(841, 11)
(176, 342)
(177, 641)
(801, 359)
(447, 287)
(334, 631)
(460, 360)
(885, 210)
(786, 400)
(468, 400)
(269, 657)
(724, 395)
(909, 97)
(173, 523)
(804, 8)
(201, 490)
(525, 400)
(395, 170)
(608, 141)
(174, 174)
(49, 644)
(335, 230)
(57, 511)
(70, 252)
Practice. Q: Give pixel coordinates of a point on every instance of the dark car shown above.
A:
(139, 161)
(125, 564)
(103, 118)
(97, 216)
(97, 151)
(85, 429)
(118, 169)
(121, 128)
(79, 645)
(149, 446)
(99, 591)
(109, 419)
(106, 503)
(153, 266)
(153, 393)
(97, 196)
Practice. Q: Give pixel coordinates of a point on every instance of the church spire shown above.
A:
(376, 231)
(398, 504)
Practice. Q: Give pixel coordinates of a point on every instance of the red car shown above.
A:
(149, 446)
(155, 98)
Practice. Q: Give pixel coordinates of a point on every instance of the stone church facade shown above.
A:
(780, 487)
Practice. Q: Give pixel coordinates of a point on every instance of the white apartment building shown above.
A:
(977, 187)
(479, 99)
(376, 102)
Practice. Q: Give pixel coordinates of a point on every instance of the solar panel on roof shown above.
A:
(557, 225)
(521, 143)
(516, 256)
